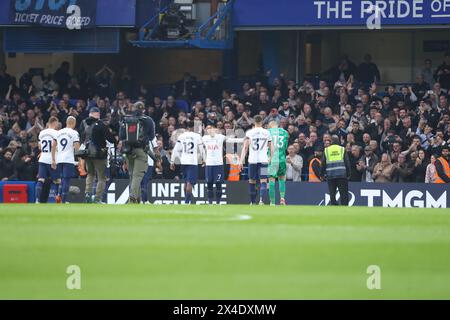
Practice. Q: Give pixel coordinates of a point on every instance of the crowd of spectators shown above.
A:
(392, 133)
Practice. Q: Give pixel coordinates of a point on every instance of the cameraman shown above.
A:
(94, 133)
(137, 146)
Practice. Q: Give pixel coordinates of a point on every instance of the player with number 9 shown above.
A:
(66, 142)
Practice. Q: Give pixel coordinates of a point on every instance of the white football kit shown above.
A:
(46, 138)
(111, 153)
(66, 138)
(258, 147)
(214, 149)
(153, 144)
(186, 149)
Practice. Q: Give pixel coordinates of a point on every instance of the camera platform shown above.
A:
(166, 30)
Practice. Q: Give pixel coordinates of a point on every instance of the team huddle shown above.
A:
(266, 160)
(266, 150)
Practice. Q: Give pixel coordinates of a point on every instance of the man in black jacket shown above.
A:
(368, 71)
(26, 165)
(442, 74)
(94, 134)
(6, 166)
(354, 156)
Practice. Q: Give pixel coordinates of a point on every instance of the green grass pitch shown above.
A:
(223, 252)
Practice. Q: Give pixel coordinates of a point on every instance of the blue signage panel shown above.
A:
(394, 195)
(70, 14)
(48, 40)
(116, 13)
(370, 13)
(107, 12)
(399, 195)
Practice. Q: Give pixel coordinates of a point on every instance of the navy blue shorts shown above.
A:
(67, 170)
(190, 173)
(108, 173)
(46, 172)
(257, 171)
(214, 174)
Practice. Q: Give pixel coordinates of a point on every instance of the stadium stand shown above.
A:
(396, 128)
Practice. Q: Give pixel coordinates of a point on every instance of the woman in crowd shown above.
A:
(421, 162)
(431, 170)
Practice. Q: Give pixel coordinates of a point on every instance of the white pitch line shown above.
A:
(209, 218)
(242, 217)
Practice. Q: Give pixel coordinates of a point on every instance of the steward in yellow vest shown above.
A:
(336, 169)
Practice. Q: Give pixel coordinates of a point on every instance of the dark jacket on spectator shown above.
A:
(420, 171)
(355, 175)
(62, 78)
(6, 169)
(374, 131)
(373, 160)
(5, 81)
(4, 141)
(26, 169)
(404, 172)
(262, 106)
(286, 113)
(167, 173)
(213, 89)
(443, 79)
(100, 133)
(304, 128)
(186, 89)
(420, 89)
(367, 72)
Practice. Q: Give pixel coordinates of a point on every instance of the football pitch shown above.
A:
(223, 252)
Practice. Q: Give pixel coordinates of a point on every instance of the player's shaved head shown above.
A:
(273, 124)
(71, 122)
